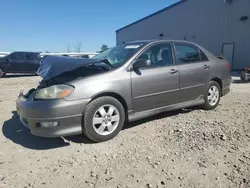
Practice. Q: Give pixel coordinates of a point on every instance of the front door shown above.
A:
(194, 71)
(16, 60)
(228, 52)
(156, 86)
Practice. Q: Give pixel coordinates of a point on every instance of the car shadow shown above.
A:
(239, 82)
(83, 139)
(158, 116)
(79, 139)
(13, 130)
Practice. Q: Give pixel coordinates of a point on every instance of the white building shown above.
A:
(221, 26)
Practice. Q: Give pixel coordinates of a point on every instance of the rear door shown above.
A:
(31, 61)
(156, 86)
(194, 71)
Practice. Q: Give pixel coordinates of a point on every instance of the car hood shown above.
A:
(51, 66)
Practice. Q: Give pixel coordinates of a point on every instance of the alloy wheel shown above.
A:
(106, 119)
(1, 73)
(244, 76)
(213, 95)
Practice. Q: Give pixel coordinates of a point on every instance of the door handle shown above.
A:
(206, 66)
(173, 71)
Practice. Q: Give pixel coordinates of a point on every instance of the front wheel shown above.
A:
(212, 96)
(103, 119)
(2, 74)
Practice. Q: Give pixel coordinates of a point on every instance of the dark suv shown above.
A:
(19, 62)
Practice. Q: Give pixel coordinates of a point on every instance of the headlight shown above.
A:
(54, 92)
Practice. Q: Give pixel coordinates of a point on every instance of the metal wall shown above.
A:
(210, 23)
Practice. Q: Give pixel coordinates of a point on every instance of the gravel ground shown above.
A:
(186, 148)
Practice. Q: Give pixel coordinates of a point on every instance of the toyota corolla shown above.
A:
(129, 82)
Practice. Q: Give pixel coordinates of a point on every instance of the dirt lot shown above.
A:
(187, 148)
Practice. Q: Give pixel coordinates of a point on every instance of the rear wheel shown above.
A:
(243, 76)
(2, 74)
(103, 119)
(212, 96)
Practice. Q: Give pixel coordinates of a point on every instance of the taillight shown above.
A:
(228, 66)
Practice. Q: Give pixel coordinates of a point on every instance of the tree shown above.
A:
(68, 48)
(78, 46)
(104, 47)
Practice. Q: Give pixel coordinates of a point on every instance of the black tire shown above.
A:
(2, 74)
(92, 107)
(207, 105)
(243, 76)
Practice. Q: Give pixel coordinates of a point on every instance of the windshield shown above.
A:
(118, 55)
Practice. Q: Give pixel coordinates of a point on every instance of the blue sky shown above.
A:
(41, 25)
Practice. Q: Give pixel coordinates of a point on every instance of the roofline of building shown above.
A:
(151, 15)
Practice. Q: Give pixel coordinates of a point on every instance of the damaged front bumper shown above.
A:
(51, 118)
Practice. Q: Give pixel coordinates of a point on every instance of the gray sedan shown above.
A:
(122, 84)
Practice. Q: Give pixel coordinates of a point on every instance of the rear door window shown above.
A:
(31, 56)
(187, 53)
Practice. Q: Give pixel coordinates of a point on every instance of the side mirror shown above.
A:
(140, 63)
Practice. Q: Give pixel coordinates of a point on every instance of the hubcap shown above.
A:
(106, 119)
(245, 76)
(1, 73)
(213, 95)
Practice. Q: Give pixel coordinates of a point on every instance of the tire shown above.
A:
(213, 91)
(99, 125)
(2, 74)
(243, 76)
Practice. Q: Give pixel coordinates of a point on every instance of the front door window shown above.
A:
(159, 55)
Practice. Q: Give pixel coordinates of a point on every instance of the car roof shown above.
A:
(27, 52)
(149, 42)
(156, 41)
(139, 41)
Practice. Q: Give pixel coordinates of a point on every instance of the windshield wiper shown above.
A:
(98, 67)
(103, 61)
(106, 61)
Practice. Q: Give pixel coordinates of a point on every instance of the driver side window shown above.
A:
(160, 55)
